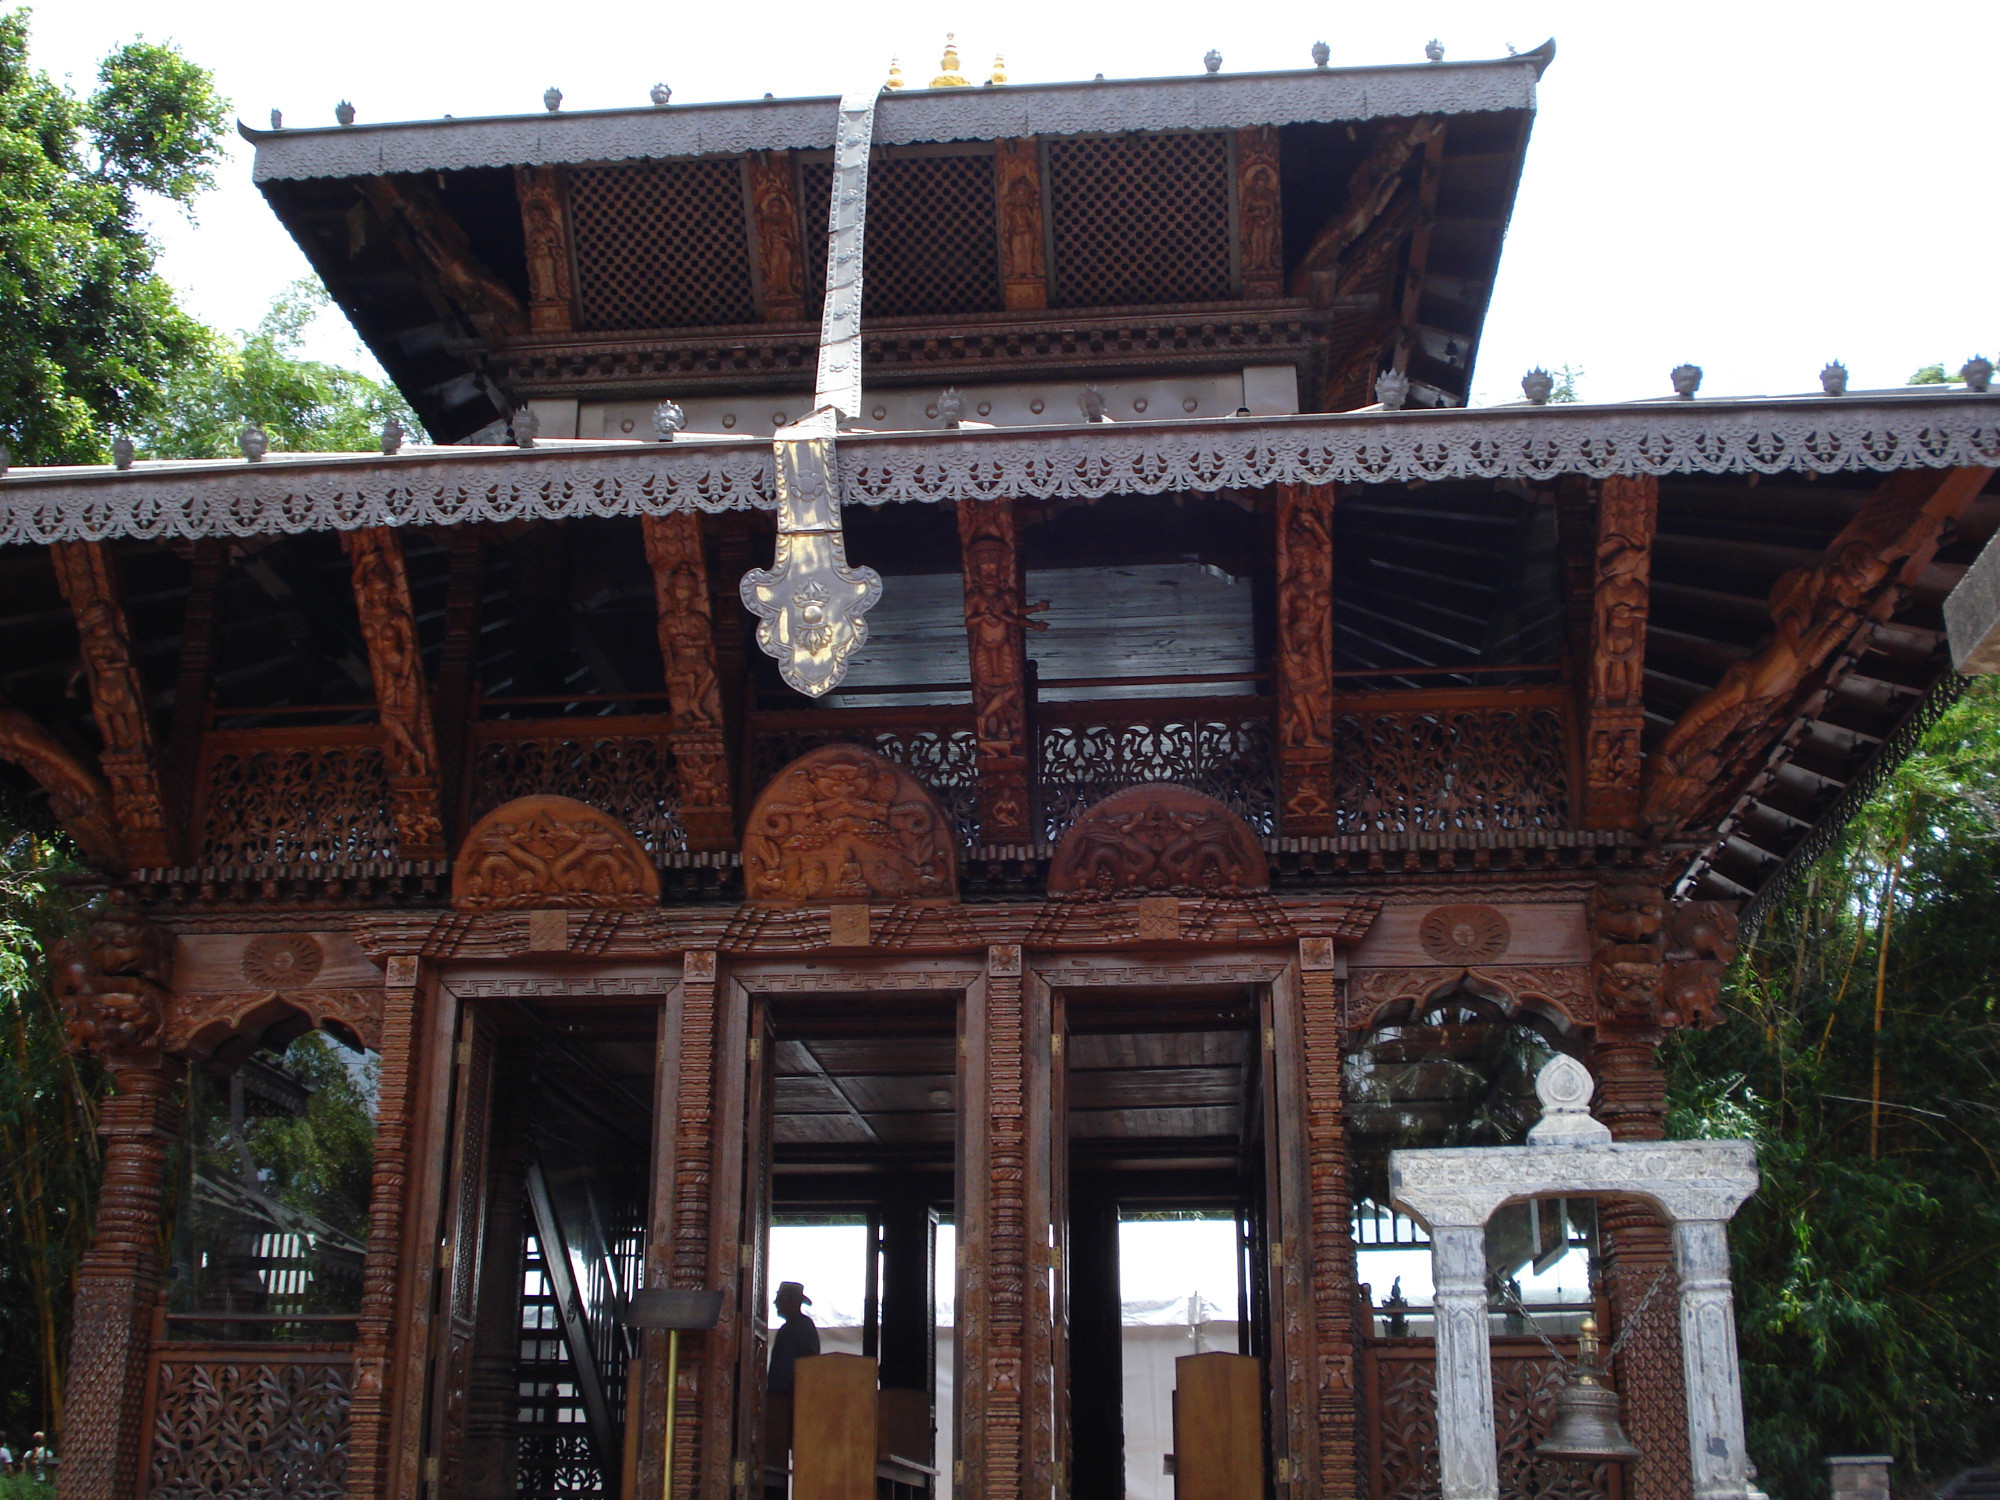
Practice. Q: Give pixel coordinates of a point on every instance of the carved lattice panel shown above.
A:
(630, 777)
(944, 759)
(932, 245)
(1456, 770)
(1403, 1386)
(1140, 219)
(290, 805)
(661, 245)
(1226, 755)
(230, 1424)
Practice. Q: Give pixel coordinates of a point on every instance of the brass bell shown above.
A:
(1585, 1424)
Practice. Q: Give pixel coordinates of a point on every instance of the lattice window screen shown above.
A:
(932, 239)
(1140, 219)
(661, 245)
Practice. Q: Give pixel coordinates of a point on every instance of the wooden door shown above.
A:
(462, 1251)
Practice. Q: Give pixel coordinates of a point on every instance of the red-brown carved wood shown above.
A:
(81, 802)
(1305, 659)
(650, 1412)
(1694, 771)
(438, 249)
(88, 573)
(995, 616)
(545, 229)
(456, 685)
(194, 684)
(402, 700)
(463, 1251)
(694, 696)
(1614, 702)
(551, 852)
(774, 207)
(1159, 837)
(1017, 185)
(1370, 190)
(843, 824)
(697, 1424)
(1258, 213)
(1333, 1287)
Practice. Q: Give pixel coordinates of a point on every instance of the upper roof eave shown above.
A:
(1200, 101)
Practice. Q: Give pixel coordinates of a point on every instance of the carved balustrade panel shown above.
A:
(937, 747)
(1221, 747)
(625, 770)
(1401, 1378)
(1445, 767)
(237, 1422)
(277, 798)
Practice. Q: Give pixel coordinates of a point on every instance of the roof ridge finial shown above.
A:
(948, 76)
(999, 69)
(895, 74)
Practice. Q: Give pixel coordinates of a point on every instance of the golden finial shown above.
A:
(950, 78)
(999, 69)
(895, 75)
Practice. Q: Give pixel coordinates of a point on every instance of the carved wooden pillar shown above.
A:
(1259, 215)
(545, 228)
(696, 1424)
(662, 1226)
(194, 684)
(694, 696)
(992, 1235)
(409, 741)
(1333, 1284)
(1017, 184)
(774, 211)
(368, 1457)
(1305, 658)
(995, 617)
(88, 574)
(1614, 706)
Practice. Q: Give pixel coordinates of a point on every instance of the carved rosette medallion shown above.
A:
(1464, 934)
(541, 852)
(281, 960)
(1159, 837)
(841, 824)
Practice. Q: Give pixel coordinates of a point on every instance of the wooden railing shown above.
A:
(622, 766)
(231, 1419)
(270, 800)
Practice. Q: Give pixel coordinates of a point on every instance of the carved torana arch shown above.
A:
(841, 824)
(1159, 837)
(543, 852)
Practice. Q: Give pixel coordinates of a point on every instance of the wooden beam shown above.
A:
(1614, 703)
(1418, 260)
(195, 684)
(1818, 614)
(437, 246)
(1259, 214)
(1305, 658)
(1369, 191)
(88, 574)
(694, 695)
(995, 618)
(1017, 187)
(402, 702)
(457, 661)
(81, 802)
(774, 223)
(546, 231)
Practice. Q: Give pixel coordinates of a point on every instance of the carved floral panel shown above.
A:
(630, 777)
(229, 1424)
(1450, 770)
(1226, 755)
(325, 804)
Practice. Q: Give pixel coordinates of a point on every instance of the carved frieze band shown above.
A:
(1567, 987)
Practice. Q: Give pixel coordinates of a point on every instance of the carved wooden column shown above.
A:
(995, 617)
(1259, 215)
(1017, 183)
(545, 228)
(1333, 1271)
(402, 701)
(193, 685)
(992, 1235)
(368, 1457)
(694, 696)
(88, 574)
(1305, 659)
(695, 1424)
(774, 220)
(1614, 705)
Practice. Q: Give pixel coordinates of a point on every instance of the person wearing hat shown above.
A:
(797, 1337)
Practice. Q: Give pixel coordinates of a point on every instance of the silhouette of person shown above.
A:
(796, 1338)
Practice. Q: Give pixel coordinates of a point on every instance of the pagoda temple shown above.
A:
(953, 661)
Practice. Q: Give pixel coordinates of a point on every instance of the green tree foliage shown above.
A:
(1567, 377)
(88, 328)
(303, 405)
(1861, 1052)
(1929, 375)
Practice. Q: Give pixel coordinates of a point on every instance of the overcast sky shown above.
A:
(1753, 186)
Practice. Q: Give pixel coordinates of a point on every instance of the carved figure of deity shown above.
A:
(843, 824)
(1257, 205)
(779, 256)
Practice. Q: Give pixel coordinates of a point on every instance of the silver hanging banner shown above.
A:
(809, 603)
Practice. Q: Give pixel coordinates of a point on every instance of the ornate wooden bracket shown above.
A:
(437, 245)
(1614, 708)
(1017, 184)
(409, 741)
(1305, 658)
(694, 696)
(843, 824)
(995, 616)
(1258, 212)
(774, 222)
(1818, 613)
(81, 803)
(112, 986)
(1369, 192)
(545, 228)
(89, 577)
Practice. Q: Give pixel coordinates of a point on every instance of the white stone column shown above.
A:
(1716, 1446)
(1468, 1458)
